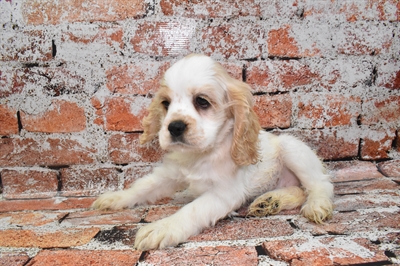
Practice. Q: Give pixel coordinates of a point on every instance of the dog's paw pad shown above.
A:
(264, 206)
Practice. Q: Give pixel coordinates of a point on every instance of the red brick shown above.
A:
(390, 168)
(232, 40)
(282, 43)
(350, 203)
(160, 212)
(21, 219)
(55, 81)
(58, 239)
(121, 113)
(46, 152)
(364, 39)
(274, 111)
(141, 78)
(351, 222)
(206, 9)
(353, 170)
(271, 76)
(327, 110)
(239, 229)
(27, 46)
(6, 82)
(45, 204)
(86, 257)
(328, 251)
(365, 186)
(111, 36)
(133, 172)
(61, 117)
(233, 69)
(105, 217)
(220, 255)
(78, 181)
(381, 111)
(388, 74)
(44, 12)
(330, 144)
(376, 144)
(163, 38)
(13, 258)
(26, 184)
(125, 148)
(8, 121)
(354, 10)
(260, 76)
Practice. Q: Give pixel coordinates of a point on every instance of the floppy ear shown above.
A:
(245, 145)
(152, 122)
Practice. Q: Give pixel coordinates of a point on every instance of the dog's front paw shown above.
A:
(111, 201)
(159, 234)
(318, 210)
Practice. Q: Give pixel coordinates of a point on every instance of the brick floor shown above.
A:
(365, 229)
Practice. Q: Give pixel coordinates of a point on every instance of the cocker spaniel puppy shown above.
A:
(217, 150)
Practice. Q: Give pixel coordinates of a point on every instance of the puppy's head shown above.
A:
(198, 107)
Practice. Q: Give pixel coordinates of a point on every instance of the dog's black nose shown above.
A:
(177, 128)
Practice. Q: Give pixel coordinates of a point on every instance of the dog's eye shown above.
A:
(202, 103)
(165, 104)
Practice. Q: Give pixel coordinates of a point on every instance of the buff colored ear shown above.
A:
(245, 146)
(152, 122)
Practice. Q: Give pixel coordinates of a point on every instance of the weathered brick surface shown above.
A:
(50, 81)
(13, 258)
(85, 257)
(21, 219)
(220, 255)
(234, 40)
(140, 78)
(105, 217)
(328, 251)
(49, 152)
(59, 239)
(320, 111)
(354, 10)
(244, 229)
(45, 204)
(44, 12)
(353, 170)
(390, 168)
(157, 213)
(121, 113)
(282, 42)
(163, 38)
(376, 144)
(382, 111)
(274, 111)
(202, 9)
(331, 144)
(78, 181)
(8, 121)
(125, 148)
(29, 183)
(26, 46)
(61, 117)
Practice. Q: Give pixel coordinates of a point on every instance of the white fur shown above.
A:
(203, 164)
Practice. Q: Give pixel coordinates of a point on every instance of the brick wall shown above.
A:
(77, 76)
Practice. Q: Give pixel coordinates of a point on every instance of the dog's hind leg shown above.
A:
(311, 173)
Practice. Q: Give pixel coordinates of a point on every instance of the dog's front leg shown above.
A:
(203, 212)
(150, 188)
